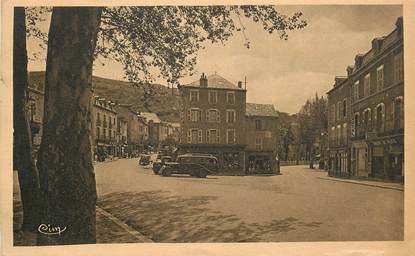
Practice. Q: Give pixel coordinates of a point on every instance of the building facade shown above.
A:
(104, 120)
(339, 128)
(376, 116)
(212, 117)
(36, 97)
(261, 131)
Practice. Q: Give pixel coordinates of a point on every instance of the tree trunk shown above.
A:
(22, 149)
(311, 156)
(67, 176)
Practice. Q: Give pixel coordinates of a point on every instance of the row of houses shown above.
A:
(117, 130)
(216, 119)
(366, 112)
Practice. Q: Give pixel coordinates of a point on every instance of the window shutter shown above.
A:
(188, 115)
(218, 136)
(234, 136)
(207, 136)
(200, 115)
(207, 115)
(189, 136)
(199, 133)
(218, 116)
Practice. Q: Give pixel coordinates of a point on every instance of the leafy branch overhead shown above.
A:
(166, 39)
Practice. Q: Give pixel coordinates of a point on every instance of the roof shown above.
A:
(255, 109)
(149, 116)
(215, 81)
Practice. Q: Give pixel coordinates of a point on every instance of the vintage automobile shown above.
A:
(144, 159)
(197, 165)
(160, 162)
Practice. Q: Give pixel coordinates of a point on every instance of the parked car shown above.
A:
(144, 159)
(160, 162)
(197, 165)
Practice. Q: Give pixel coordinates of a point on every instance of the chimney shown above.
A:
(203, 81)
(399, 25)
(338, 80)
(240, 84)
(358, 61)
(377, 44)
(349, 70)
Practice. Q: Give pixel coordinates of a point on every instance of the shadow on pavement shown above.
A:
(166, 218)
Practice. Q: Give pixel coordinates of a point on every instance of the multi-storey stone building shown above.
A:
(212, 120)
(104, 120)
(338, 129)
(261, 131)
(137, 131)
(376, 116)
(36, 97)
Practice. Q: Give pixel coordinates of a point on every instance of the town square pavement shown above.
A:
(298, 205)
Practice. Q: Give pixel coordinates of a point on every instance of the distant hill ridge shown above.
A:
(163, 103)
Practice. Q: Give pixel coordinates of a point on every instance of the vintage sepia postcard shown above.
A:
(207, 128)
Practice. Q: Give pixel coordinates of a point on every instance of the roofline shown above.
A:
(213, 88)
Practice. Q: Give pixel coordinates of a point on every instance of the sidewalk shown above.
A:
(379, 184)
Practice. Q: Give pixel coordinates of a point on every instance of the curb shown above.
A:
(140, 237)
(360, 183)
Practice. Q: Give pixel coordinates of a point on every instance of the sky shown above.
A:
(279, 72)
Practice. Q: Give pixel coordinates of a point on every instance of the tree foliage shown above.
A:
(165, 40)
(313, 120)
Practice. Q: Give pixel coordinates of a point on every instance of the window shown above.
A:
(194, 136)
(98, 133)
(212, 115)
(333, 112)
(339, 134)
(230, 136)
(195, 115)
(398, 67)
(355, 125)
(98, 117)
(344, 108)
(213, 97)
(212, 136)
(230, 97)
(332, 134)
(344, 132)
(105, 133)
(339, 110)
(367, 119)
(258, 143)
(194, 95)
(379, 80)
(367, 86)
(380, 118)
(397, 113)
(230, 116)
(258, 124)
(356, 91)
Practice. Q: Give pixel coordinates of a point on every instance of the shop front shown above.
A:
(339, 162)
(231, 158)
(387, 158)
(260, 162)
(360, 159)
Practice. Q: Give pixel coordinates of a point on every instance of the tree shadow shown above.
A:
(167, 218)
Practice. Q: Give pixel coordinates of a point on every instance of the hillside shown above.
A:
(162, 103)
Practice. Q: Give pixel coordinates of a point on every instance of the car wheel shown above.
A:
(202, 173)
(166, 172)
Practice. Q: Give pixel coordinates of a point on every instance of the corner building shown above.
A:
(212, 114)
